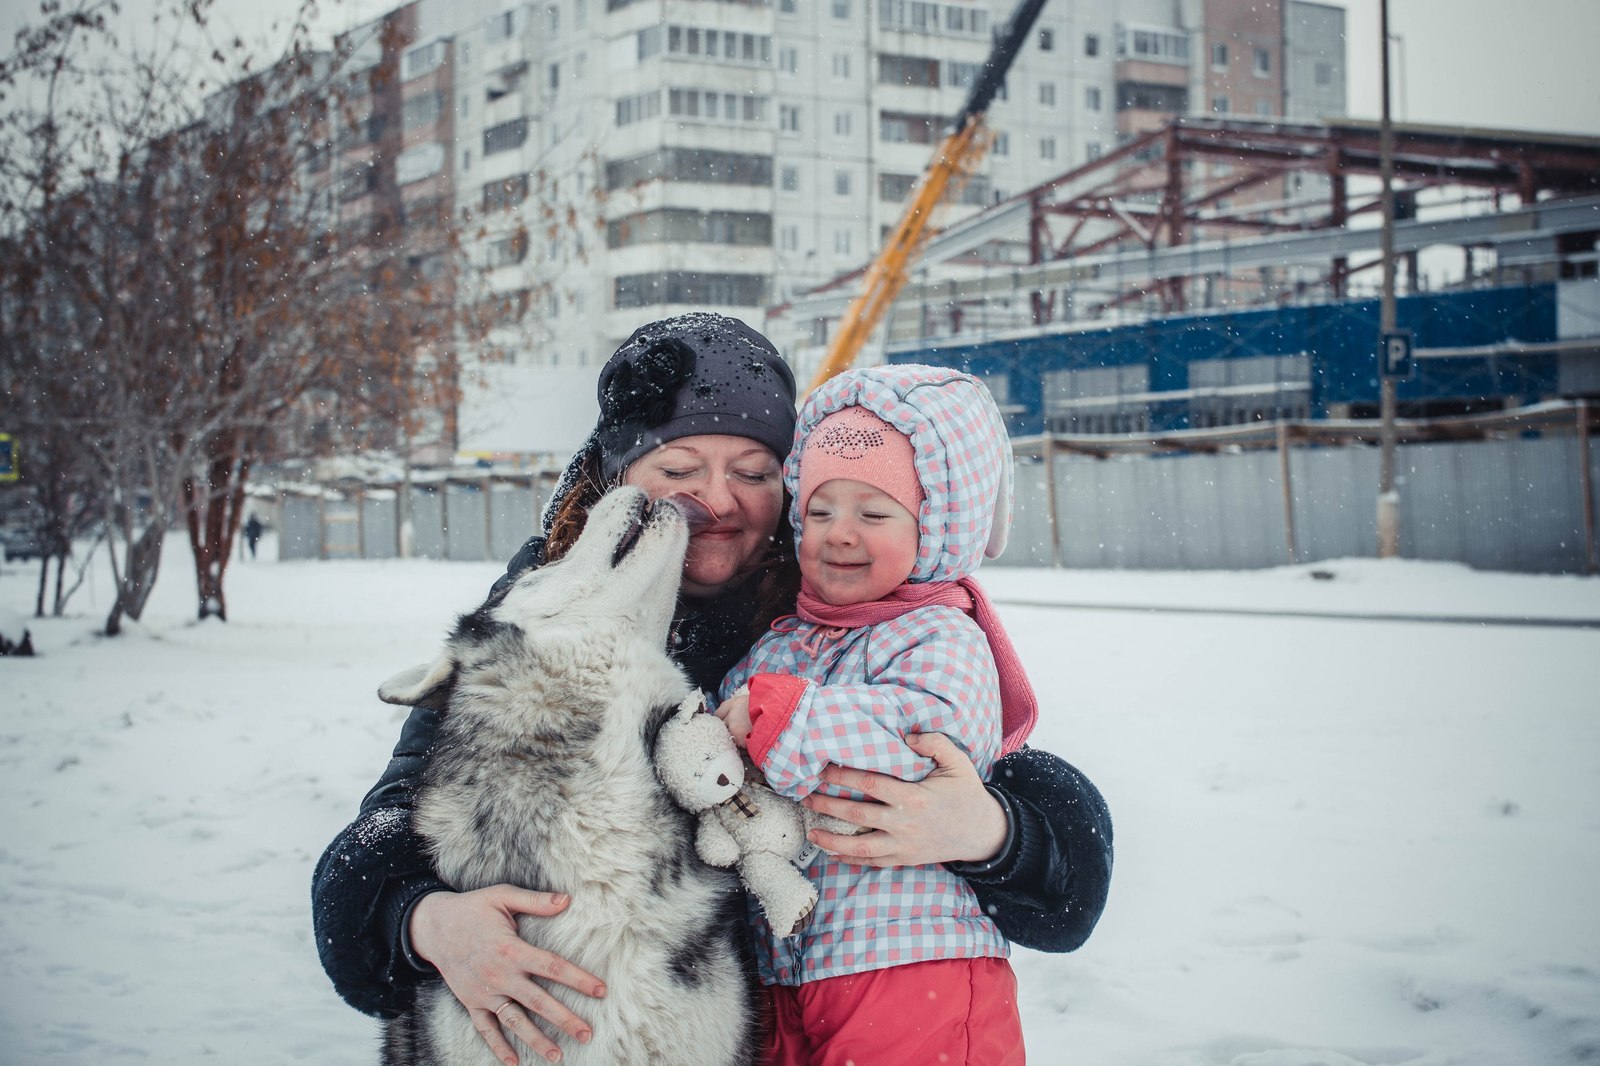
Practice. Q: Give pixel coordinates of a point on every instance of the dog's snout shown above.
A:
(722, 779)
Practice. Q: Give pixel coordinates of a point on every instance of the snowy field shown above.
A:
(1339, 841)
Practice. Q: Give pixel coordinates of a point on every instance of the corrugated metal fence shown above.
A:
(1508, 504)
(1513, 504)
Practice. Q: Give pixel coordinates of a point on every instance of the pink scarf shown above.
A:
(1019, 708)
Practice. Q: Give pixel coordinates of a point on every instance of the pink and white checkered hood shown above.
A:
(963, 457)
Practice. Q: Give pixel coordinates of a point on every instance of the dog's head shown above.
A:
(618, 584)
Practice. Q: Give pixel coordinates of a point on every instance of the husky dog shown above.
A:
(541, 776)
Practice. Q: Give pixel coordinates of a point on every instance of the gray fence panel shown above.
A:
(300, 536)
(379, 516)
(466, 523)
(341, 528)
(1335, 502)
(1029, 544)
(513, 518)
(427, 524)
(1547, 506)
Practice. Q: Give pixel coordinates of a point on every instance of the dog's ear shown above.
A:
(421, 686)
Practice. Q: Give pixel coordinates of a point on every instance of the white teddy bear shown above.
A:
(743, 822)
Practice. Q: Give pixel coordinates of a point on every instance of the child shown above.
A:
(901, 481)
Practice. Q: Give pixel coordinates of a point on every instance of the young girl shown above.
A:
(901, 482)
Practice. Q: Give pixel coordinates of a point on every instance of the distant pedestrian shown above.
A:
(252, 533)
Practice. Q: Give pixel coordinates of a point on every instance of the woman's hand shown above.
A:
(472, 938)
(948, 816)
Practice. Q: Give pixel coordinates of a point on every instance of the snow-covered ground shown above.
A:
(1339, 841)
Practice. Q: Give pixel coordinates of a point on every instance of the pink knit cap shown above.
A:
(855, 443)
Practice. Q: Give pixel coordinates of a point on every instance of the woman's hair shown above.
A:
(566, 525)
(777, 584)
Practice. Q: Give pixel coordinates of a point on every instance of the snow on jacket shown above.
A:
(850, 696)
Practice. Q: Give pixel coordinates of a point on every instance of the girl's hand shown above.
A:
(735, 714)
(948, 816)
(472, 938)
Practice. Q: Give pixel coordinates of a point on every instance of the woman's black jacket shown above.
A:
(1044, 891)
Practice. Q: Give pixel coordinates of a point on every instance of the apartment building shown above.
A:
(620, 160)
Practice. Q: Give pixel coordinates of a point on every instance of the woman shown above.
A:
(698, 404)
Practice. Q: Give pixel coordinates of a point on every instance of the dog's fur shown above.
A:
(541, 776)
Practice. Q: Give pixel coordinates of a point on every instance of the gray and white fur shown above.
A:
(542, 777)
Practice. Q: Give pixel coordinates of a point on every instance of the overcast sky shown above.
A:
(1515, 64)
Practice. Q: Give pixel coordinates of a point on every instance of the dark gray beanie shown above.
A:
(692, 374)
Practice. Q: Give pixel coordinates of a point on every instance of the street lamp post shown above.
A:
(1388, 495)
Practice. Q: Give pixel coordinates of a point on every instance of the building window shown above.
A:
(702, 165)
(894, 188)
(1158, 46)
(841, 183)
(1047, 147)
(841, 64)
(1047, 94)
(1219, 105)
(1263, 64)
(1324, 75)
(841, 9)
(506, 136)
(1219, 56)
(897, 127)
(1047, 40)
(554, 78)
(678, 225)
(789, 239)
(631, 109)
(1091, 97)
(841, 124)
(580, 13)
(552, 17)
(1002, 143)
(1091, 44)
(508, 250)
(649, 42)
(423, 60)
(501, 26)
(841, 242)
(499, 195)
(689, 287)
(1093, 150)
(789, 179)
(788, 118)
(914, 71)
(421, 110)
(789, 60)
(1263, 108)
(788, 7)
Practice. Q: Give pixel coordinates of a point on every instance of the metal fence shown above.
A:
(459, 519)
(1519, 503)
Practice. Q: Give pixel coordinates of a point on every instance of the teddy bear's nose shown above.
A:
(722, 779)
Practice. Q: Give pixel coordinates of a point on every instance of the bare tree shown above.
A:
(185, 287)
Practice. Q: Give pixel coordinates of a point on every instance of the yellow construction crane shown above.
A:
(957, 155)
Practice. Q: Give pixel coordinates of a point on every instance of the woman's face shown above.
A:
(742, 484)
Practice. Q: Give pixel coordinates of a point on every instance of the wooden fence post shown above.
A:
(1050, 498)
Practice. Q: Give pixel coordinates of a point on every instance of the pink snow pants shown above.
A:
(957, 1011)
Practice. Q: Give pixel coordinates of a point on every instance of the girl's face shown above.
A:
(856, 542)
(739, 480)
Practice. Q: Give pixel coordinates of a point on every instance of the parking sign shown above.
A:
(8, 457)
(1395, 355)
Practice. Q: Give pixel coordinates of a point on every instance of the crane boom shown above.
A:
(954, 160)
